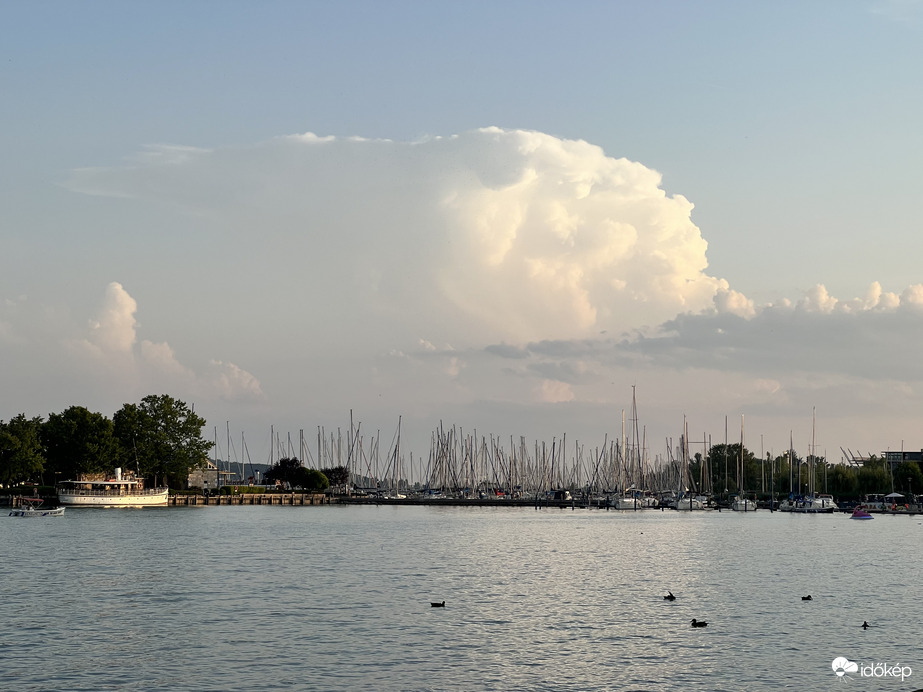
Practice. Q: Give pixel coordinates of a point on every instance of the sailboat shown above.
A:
(814, 502)
(685, 500)
(634, 497)
(741, 503)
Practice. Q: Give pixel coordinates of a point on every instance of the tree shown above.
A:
(285, 470)
(78, 441)
(314, 480)
(874, 477)
(20, 450)
(724, 460)
(161, 438)
(907, 478)
(844, 481)
(291, 471)
(339, 475)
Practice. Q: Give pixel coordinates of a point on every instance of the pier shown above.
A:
(294, 499)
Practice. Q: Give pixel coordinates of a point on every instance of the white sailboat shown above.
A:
(634, 497)
(742, 503)
(685, 500)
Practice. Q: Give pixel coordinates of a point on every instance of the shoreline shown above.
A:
(316, 499)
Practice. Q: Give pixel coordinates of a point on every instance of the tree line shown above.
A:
(159, 438)
(291, 472)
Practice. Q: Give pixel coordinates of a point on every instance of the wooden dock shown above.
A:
(292, 499)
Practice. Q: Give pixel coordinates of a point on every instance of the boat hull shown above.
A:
(821, 504)
(28, 512)
(77, 499)
(689, 504)
(641, 503)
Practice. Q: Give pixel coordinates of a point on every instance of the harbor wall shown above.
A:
(296, 499)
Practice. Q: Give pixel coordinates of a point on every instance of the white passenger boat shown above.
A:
(33, 508)
(119, 491)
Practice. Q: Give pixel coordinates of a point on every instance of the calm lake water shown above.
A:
(337, 598)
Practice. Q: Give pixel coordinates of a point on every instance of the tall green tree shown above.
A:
(161, 438)
(287, 470)
(290, 470)
(725, 461)
(20, 450)
(844, 481)
(908, 480)
(78, 441)
(874, 477)
(339, 475)
(312, 479)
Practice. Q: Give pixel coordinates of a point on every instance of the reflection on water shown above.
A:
(326, 598)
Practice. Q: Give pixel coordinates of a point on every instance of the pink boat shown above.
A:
(859, 513)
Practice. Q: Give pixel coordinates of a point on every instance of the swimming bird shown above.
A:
(806, 598)
(865, 625)
(671, 597)
(698, 623)
(437, 605)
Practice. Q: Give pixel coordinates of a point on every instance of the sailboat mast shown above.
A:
(216, 457)
(813, 447)
(740, 475)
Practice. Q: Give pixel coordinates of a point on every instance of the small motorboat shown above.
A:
(860, 513)
(32, 507)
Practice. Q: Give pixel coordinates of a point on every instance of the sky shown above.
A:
(507, 218)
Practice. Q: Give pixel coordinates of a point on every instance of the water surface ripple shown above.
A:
(337, 598)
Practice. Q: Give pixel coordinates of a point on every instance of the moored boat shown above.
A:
(874, 502)
(689, 503)
(120, 491)
(33, 508)
(636, 499)
(819, 503)
(822, 503)
(743, 504)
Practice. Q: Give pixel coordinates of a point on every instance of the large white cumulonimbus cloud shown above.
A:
(489, 235)
(496, 274)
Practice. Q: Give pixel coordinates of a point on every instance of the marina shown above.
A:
(619, 505)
